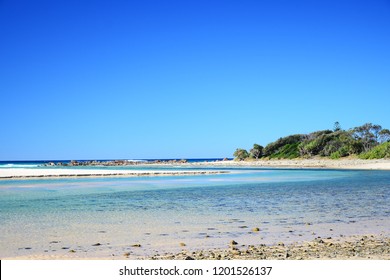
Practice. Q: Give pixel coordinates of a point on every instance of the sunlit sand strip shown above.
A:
(358, 164)
(20, 173)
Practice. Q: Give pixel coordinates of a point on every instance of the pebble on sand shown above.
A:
(348, 248)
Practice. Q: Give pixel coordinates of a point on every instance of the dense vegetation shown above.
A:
(369, 141)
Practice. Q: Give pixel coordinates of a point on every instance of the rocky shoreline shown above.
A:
(114, 162)
(354, 247)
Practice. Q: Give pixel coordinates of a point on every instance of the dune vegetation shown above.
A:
(368, 141)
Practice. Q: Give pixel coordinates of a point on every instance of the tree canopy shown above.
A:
(257, 151)
(241, 154)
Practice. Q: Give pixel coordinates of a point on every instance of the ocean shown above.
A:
(68, 217)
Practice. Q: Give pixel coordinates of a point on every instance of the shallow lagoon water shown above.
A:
(53, 217)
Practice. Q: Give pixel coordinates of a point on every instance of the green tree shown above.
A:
(314, 143)
(256, 151)
(384, 135)
(241, 154)
(336, 126)
(368, 135)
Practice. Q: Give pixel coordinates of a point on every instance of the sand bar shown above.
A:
(20, 173)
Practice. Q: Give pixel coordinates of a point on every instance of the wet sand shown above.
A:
(354, 240)
(356, 247)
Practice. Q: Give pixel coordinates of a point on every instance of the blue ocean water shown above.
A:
(187, 207)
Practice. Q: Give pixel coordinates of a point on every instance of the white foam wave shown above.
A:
(13, 165)
(136, 160)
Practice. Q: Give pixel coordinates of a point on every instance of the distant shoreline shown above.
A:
(317, 163)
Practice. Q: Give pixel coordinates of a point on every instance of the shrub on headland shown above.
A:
(380, 151)
(288, 151)
(277, 147)
(368, 141)
(241, 154)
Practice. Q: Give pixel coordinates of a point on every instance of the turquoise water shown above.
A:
(156, 210)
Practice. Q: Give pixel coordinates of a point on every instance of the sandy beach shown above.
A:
(349, 163)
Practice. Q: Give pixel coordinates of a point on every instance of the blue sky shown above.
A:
(185, 79)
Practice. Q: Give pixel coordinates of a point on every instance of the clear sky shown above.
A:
(185, 79)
